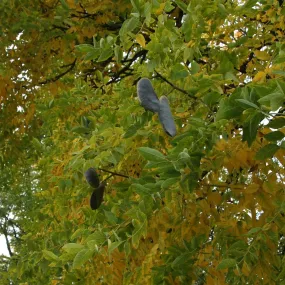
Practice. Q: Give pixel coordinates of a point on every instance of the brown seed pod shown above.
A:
(147, 96)
(97, 197)
(165, 117)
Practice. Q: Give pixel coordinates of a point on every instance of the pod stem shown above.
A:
(113, 173)
(107, 178)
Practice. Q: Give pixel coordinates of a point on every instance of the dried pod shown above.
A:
(92, 177)
(165, 117)
(97, 197)
(147, 96)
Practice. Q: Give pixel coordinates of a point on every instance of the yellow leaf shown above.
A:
(269, 187)
(252, 188)
(214, 197)
(245, 269)
(259, 77)
(242, 156)
(263, 55)
(141, 40)
(160, 9)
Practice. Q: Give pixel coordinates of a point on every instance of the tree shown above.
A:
(204, 207)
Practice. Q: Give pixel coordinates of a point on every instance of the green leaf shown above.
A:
(281, 86)
(254, 230)
(193, 181)
(72, 247)
(49, 255)
(131, 130)
(105, 54)
(274, 100)
(166, 164)
(266, 152)
(127, 248)
(178, 71)
(239, 245)
(228, 110)
(78, 233)
(276, 123)
(280, 58)
(168, 182)
(181, 260)
(140, 189)
(151, 154)
(211, 98)
(279, 72)
(37, 145)
(130, 25)
(110, 217)
(112, 246)
(227, 263)
(81, 257)
(250, 127)
(118, 53)
(274, 136)
(84, 48)
(140, 230)
(92, 55)
(136, 5)
(64, 4)
(248, 103)
(249, 4)
(98, 237)
(181, 5)
(80, 130)
(195, 67)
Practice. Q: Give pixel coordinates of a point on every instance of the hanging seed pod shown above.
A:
(165, 117)
(92, 177)
(147, 96)
(97, 197)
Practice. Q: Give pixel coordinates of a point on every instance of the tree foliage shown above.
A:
(204, 207)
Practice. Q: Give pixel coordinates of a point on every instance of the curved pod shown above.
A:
(165, 117)
(97, 197)
(147, 96)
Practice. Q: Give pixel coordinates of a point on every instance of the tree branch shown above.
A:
(174, 86)
(127, 68)
(71, 66)
(5, 233)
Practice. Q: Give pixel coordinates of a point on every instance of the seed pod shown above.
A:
(165, 117)
(92, 177)
(97, 197)
(147, 96)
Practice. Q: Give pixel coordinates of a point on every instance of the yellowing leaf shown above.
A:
(242, 156)
(252, 188)
(263, 55)
(141, 40)
(160, 9)
(259, 77)
(214, 197)
(245, 269)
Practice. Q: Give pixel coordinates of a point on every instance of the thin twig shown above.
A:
(224, 185)
(114, 173)
(174, 86)
(107, 178)
(59, 75)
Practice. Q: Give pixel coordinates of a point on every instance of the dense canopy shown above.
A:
(205, 206)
